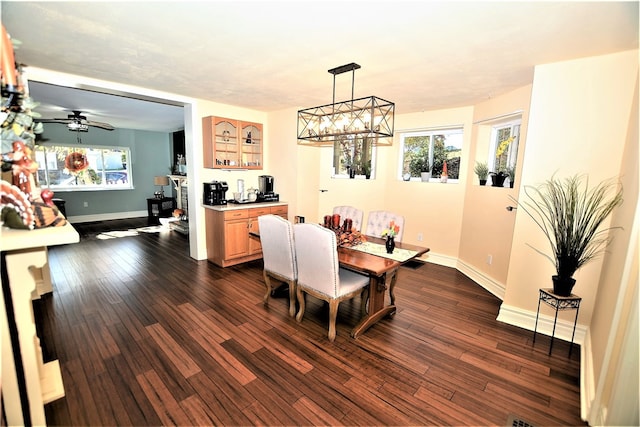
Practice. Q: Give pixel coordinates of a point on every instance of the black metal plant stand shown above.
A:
(559, 303)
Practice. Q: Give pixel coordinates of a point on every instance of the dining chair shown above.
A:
(320, 274)
(279, 256)
(356, 215)
(377, 221)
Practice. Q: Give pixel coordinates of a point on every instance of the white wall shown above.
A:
(583, 117)
(578, 123)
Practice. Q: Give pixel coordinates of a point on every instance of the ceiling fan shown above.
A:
(78, 123)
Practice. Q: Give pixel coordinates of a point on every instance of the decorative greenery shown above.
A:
(482, 170)
(571, 215)
(511, 171)
(501, 163)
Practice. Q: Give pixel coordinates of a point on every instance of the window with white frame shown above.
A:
(428, 151)
(83, 167)
(353, 157)
(504, 147)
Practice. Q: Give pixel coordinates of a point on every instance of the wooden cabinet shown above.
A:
(231, 144)
(228, 239)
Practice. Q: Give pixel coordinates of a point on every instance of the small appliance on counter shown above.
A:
(265, 189)
(215, 193)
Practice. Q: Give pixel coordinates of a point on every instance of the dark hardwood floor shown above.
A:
(146, 335)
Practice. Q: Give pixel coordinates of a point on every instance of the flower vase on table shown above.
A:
(390, 244)
(390, 234)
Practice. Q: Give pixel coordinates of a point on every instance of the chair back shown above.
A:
(278, 250)
(378, 221)
(355, 214)
(317, 256)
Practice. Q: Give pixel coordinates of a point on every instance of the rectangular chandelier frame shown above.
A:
(369, 117)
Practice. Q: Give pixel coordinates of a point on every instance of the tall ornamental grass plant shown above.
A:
(571, 215)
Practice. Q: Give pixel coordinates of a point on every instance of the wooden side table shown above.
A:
(559, 303)
(159, 208)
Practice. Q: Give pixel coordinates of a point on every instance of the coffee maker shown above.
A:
(265, 189)
(215, 193)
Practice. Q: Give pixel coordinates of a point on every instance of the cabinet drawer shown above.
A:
(256, 212)
(237, 214)
(280, 210)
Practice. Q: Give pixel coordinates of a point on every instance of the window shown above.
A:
(504, 147)
(84, 167)
(353, 157)
(428, 150)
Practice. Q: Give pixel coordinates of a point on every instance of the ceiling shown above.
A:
(272, 55)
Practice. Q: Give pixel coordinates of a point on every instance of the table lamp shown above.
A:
(161, 181)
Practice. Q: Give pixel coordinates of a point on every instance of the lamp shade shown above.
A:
(161, 180)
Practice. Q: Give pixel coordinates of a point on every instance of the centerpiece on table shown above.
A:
(346, 235)
(390, 233)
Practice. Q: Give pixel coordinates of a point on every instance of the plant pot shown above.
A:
(425, 176)
(483, 182)
(497, 180)
(390, 244)
(562, 286)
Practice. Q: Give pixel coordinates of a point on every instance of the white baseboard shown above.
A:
(444, 260)
(106, 216)
(527, 320)
(497, 289)
(587, 383)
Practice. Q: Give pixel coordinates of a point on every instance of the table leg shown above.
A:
(535, 328)
(377, 309)
(573, 334)
(553, 333)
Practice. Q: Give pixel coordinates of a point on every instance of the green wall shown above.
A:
(150, 156)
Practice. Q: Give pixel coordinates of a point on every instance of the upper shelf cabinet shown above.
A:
(231, 144)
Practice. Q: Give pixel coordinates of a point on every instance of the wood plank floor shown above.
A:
(146, 335)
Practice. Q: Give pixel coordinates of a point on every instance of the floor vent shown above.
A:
(515, 421)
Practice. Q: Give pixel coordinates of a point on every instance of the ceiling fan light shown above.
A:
(77, 127)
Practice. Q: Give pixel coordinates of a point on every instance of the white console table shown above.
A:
(27, 382)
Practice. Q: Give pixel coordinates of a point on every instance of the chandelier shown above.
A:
(370, 117)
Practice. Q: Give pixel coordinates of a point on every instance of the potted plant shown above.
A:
(571, 215)
(511, 171)
(482, 170)
(419, 166)
(497, 178)
(425, 170)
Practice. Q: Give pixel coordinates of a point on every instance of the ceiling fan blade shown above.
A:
(54, 120)
(101, 125)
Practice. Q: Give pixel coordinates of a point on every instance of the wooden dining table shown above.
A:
(376, 267)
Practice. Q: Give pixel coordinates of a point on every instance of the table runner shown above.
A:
(400, 255)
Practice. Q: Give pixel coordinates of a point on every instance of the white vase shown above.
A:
(425, 176)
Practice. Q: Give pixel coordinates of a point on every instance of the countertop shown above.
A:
(12, 239)
(237, 206)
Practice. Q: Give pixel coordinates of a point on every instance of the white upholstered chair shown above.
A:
(319, 272)
(355, 214)
(279, 256)
(378, 221)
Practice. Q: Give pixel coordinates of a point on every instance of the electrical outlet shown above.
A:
(489, 259)
(419, 237)
(86, 204)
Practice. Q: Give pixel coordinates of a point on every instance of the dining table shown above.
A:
(371, 258)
